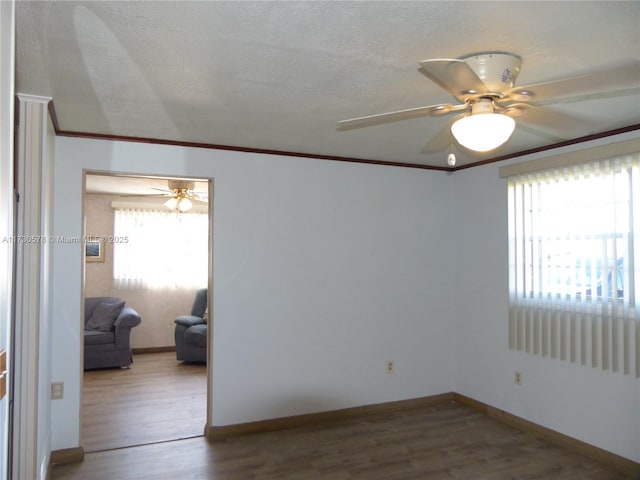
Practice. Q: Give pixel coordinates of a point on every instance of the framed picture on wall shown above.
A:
(94, 249)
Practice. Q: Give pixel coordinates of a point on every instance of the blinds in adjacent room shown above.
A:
(162, 249)
(574, 274)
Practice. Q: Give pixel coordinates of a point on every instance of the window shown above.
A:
(162, 249)
(573, 271)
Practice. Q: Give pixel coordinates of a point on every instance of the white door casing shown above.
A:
(30, 249)
(7, 74)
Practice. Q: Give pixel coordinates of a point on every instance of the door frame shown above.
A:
(210, 209)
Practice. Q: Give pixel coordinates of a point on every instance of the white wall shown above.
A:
(323, 271)
(597, 407)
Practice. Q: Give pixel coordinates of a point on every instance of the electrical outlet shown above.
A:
(57, 390)
(518, 378)
(390, 366)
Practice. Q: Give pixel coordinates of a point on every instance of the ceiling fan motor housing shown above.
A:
(497, 70)
(482, 105)
(181, 185)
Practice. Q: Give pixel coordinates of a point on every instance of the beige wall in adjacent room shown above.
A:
(157, 307)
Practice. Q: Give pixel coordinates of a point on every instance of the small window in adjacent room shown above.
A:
(160, 249)
(573, 266)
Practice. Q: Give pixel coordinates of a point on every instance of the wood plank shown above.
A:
(616, 461)
(157, 399)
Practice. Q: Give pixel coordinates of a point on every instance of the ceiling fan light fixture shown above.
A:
(172, 203)
(184, 204)
(179, 202)
(483, 131)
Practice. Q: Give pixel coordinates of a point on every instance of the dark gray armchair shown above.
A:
(107, 330)
(191, 331)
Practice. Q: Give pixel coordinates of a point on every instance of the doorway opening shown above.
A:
(154, 251)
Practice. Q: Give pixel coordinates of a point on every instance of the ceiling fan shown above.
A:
(181, 195)
(484, 86)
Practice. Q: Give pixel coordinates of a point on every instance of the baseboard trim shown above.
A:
(624, 465)
(217, 433)
(138, 351)
(67, 455)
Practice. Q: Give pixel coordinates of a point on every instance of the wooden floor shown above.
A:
(156, 400)
(446, 441)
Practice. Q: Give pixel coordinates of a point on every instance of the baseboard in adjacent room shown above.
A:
(137, 351)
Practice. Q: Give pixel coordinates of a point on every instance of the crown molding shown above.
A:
(285, 153)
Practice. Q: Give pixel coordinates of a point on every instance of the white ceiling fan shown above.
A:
(484, 85)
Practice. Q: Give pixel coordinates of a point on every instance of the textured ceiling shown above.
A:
(279, 75)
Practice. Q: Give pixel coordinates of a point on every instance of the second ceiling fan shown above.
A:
(180, 195)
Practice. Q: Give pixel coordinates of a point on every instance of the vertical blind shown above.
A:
(162, 249)
(574, 277)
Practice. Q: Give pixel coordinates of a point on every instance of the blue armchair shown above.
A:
(191, 331)
(107, 330)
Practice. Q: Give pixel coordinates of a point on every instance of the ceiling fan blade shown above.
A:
(455, 76)
(441, 140)
(144, 195)
(610, 79)
(587, 96)
(378, 119)
(555, 124)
